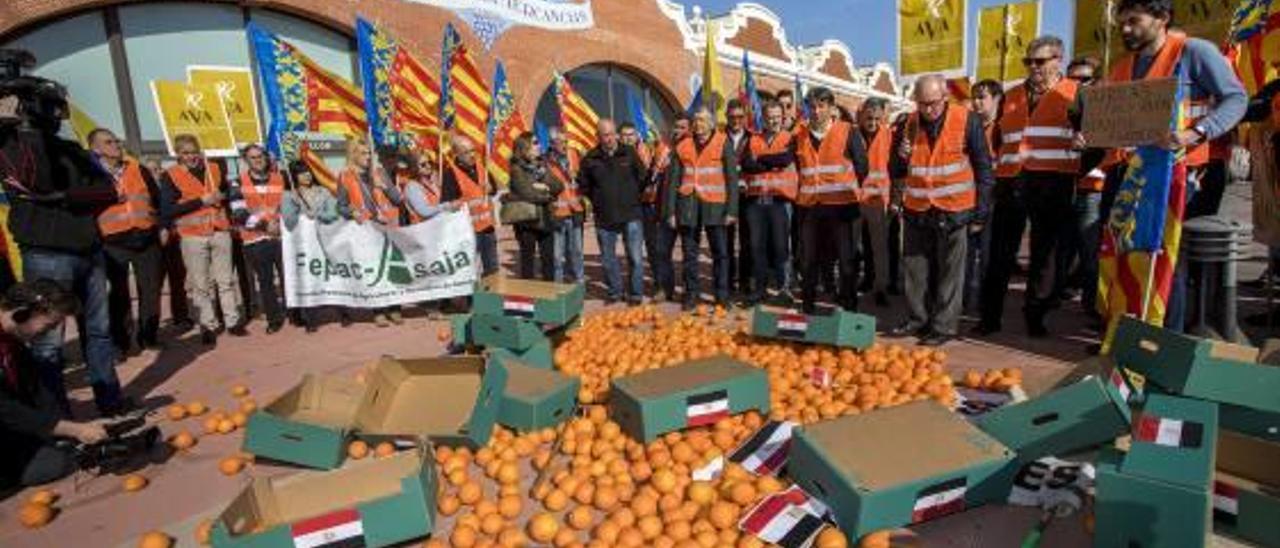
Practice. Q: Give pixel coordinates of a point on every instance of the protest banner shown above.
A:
(1004, 32)
(372, 266)
(931, 36)
(195, 110)
(1128, 113)
(235, 90)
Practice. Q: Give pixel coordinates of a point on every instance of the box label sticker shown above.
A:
(820, 377)
(765, 452)
(790, 519)
(341, 529)
(709, 471)
(1226, 503)
(940, 500)
(792, 325)
(516, 305)
(1168, 432)
(705, 409)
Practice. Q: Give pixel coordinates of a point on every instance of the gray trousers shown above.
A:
(933, 260)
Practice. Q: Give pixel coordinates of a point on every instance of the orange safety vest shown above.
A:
(702, 173)
(660, 162)
(264, 204)
(1093, 181)
(1164, 66)
(827, 177)
(433, 198)
(1040, 140)
(875, 188)
(387, 212)
(941, 176)
(134, 211)
(473, 195)
(568, 202)
(782, 182)
(202, 222)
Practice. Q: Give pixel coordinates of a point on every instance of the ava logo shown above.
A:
(195, 112)
(490, 18)
(935, 23)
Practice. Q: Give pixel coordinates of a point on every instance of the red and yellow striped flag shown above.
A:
(415, 96)
(505, 125)
(470, 96)
(319, 170)
(577, 117)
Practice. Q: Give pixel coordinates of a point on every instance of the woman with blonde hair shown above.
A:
(366, 195)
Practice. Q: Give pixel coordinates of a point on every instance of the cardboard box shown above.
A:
(539, 355)
(1084, 414)
(505, 332)
(1246, 491)
(1211, 370)
(830, 326)
(1252, 422)
(1173, 441)
(452, 400)
(896, 466)
(543, 302)
(381, 502)
(535, 398)
(696, 393)
(1135, 511)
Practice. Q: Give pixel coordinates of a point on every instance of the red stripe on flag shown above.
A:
(776, 460)
(769, 509)
(326, 521)
(708, 419)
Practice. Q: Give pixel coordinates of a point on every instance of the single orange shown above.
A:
(204, 532)
(239, 391)
(34, 516)
(226, 426)
(358, 449)
(580, 518)
(134, 482)
(384, 449)
(177, 412)
(510, 506)
(448, 505)
(543, 527)
(196, 408)
(43, 496)
(463, 537)
(230, 466)
(155, 539)
(830, 537)
(182, 441)
(878, 539)
(470, 493)
(240, 419)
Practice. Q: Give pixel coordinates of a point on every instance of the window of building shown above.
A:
(610, 90)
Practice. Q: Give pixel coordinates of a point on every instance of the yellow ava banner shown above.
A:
(234, 86)
(193, 109)
(930, 35)
(1004, 32)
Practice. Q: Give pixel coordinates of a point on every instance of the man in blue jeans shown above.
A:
(612, 177)
(53, 218)
(702, 195)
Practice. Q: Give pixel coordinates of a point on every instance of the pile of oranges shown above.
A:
(809, 383)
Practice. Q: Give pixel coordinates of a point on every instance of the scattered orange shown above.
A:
(384, 449)
(34, 516)
(134, 482)
(470, 493)
(211, 425)
(155, 539)
(240, 419)
(182, 441)
(878, 539)
(226, 426)
(358, 449)
(43, 496)
(830, 537)
(230, 466)
(239, 390)
(543, 527)
(248, 406)
(196, 408)
(510, 506)
(204, 532)
(580, 518)
(463, 537)
(177, 412)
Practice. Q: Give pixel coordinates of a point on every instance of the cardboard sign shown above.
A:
(1128, 113)
(193, 109)
(235, 90)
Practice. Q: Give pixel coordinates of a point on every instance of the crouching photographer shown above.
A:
(57, 191)
(31, 422)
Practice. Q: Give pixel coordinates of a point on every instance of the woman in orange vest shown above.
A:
(366, 195)
(255, 208)
(130, 240)
(420, 186)
(194, 202)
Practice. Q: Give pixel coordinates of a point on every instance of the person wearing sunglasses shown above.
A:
(255, 210)
(1078, 266)
(1036, 176)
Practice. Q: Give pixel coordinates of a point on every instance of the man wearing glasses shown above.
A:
(1036, 178)
(738, 237)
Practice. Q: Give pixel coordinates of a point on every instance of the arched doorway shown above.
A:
(610, 89)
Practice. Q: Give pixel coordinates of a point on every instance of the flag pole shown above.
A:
(1151, 276)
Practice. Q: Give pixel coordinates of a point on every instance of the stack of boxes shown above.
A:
(518, 318)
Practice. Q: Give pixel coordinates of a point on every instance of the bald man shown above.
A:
(946, 166)
(612, 177)
(465, 182)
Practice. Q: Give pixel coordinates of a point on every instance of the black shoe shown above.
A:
(183, 325)
(984, 329)
(238, 330)
(635, 301)
(207, 337)
(311, 327)
(345, 320)
(609, 300)
(882, 300)
(906, 329)
(295, 318)
(122, 406)
(934, 338)
(274, 326)
(750, 301)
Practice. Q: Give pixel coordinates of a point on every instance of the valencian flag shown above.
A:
(1255, 43)
(1140, 240)
(802, 106)
(1003, 35)
(747, 94)
(319, 170)
(505, 124)
(645, 126)
(465, 104)
(401, 96)
(576, 116)
(302, 96)
(959, 89)
(931, 35)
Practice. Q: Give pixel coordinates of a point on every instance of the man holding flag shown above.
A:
(1140, 243)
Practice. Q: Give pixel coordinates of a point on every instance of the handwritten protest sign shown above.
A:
(1129, 113)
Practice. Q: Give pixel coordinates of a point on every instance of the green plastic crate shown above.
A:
(505, 332)
(539, 355)
(1253, 422)
(379, 501)
(1173, 441)
(542, 302)
(833, 327)
(535, 397)
(875, 471)
(1084, 414)
(1134, 511)
(696, 393)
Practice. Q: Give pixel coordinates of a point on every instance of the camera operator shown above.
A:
(30, 417)
(57, 192)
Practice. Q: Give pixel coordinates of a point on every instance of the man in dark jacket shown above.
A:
(30, 414)
(57, 193)
(612, 177)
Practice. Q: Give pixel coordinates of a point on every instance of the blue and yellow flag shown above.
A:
(1255, 43)
(747, 94)
(401, 95)
(645, 126)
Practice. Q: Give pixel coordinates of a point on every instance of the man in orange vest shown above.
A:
(130, 241)
(832, 159)
(1217, 100)
(193, 202)
(872, 225)
(944, 157)
(563, 163)
(769, 168)
(987, 96)
(659, 239)
(465, 181)
(701, 198)
(1037, 171)
(255, 208)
